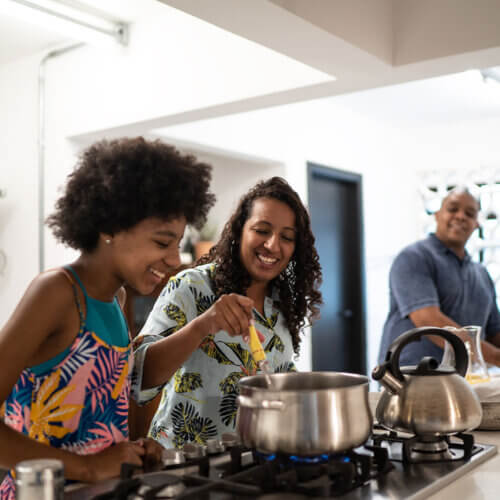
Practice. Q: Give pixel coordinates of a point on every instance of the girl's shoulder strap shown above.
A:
(75, 281)
(70, 272)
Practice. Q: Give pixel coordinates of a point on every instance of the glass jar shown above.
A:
(477, 371)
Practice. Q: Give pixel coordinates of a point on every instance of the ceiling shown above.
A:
(19, 39)
(365, 45)
(420, 105)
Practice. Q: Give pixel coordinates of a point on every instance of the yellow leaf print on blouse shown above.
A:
(48, 410)
(210, 348)
(275, 343)
(267, 322)
(243, 357)
(247, 363)
(187, 382)
(119, 383)
(176, 314)
(229, 384)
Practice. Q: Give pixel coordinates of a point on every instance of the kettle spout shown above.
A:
(387, 379)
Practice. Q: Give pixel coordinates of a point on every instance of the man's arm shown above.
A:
(432, 316)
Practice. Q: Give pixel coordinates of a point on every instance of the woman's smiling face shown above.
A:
(267, 239)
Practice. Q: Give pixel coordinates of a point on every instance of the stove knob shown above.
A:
(194, 450)
(214, 446)
(229, 439)
(171, 456)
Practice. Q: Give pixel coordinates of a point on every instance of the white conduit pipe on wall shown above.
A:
(93, 23)
(41, 146)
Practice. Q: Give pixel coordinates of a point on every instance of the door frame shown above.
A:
(317, 170)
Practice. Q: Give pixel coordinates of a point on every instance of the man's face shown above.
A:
(457, 219)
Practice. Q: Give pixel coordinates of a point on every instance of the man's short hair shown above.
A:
(471, 190)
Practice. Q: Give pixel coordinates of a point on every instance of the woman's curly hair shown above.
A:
(117, 184)
(298, 284)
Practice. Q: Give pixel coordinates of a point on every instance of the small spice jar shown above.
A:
(41, 479)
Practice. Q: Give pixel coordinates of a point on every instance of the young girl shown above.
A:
(65, 352)
(266, 253)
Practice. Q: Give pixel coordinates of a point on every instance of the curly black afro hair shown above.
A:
(298, 284)
(116, 184)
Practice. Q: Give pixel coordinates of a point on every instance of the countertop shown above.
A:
(483, 482)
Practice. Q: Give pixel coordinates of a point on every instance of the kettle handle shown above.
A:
(392, 357)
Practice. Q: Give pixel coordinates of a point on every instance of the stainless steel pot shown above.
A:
(305, 414)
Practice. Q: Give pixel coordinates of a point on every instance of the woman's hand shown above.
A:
(231, 312)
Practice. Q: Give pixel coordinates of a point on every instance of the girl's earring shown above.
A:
(107, 241)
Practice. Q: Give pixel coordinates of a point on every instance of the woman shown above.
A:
(265, 255)
(65, 352)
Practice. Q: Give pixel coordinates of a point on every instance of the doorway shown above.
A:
(335, 206)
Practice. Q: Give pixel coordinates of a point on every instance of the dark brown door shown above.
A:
(338, 338)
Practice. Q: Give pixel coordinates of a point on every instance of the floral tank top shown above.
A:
(81, 403)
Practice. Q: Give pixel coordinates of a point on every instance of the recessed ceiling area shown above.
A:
(359, 43)
(401, 32)
(437, 101)
(365, 44)
(19, 39)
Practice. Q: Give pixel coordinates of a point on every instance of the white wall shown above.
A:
(463, 145)
(329, 133)
(174, 63)
(389, 155)
(18, 177)
(231, 178)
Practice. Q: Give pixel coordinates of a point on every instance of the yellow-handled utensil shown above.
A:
(258, 354)
(256, 348)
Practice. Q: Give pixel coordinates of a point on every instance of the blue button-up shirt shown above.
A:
(427, 273)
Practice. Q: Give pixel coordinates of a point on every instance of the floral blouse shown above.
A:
(199, 401)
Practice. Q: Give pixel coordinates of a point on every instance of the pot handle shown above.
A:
(264, 404)
(391, 363)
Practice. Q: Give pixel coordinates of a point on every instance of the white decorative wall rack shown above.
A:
(484, 183)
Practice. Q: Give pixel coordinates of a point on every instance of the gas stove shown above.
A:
(389, 465)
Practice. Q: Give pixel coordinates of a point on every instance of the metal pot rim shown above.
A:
(355, 380)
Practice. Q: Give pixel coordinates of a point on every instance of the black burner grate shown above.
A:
(461, 446)
(322, 476)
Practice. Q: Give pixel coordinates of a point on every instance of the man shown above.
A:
(434, 282)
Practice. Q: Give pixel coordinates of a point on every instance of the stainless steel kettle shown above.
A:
(427, 399)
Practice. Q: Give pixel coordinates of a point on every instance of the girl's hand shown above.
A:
(107, 463)
(152, 452)
(231, 312)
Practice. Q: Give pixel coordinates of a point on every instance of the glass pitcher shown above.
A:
(477, 370)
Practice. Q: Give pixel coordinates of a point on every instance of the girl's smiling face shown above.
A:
(144, 254)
